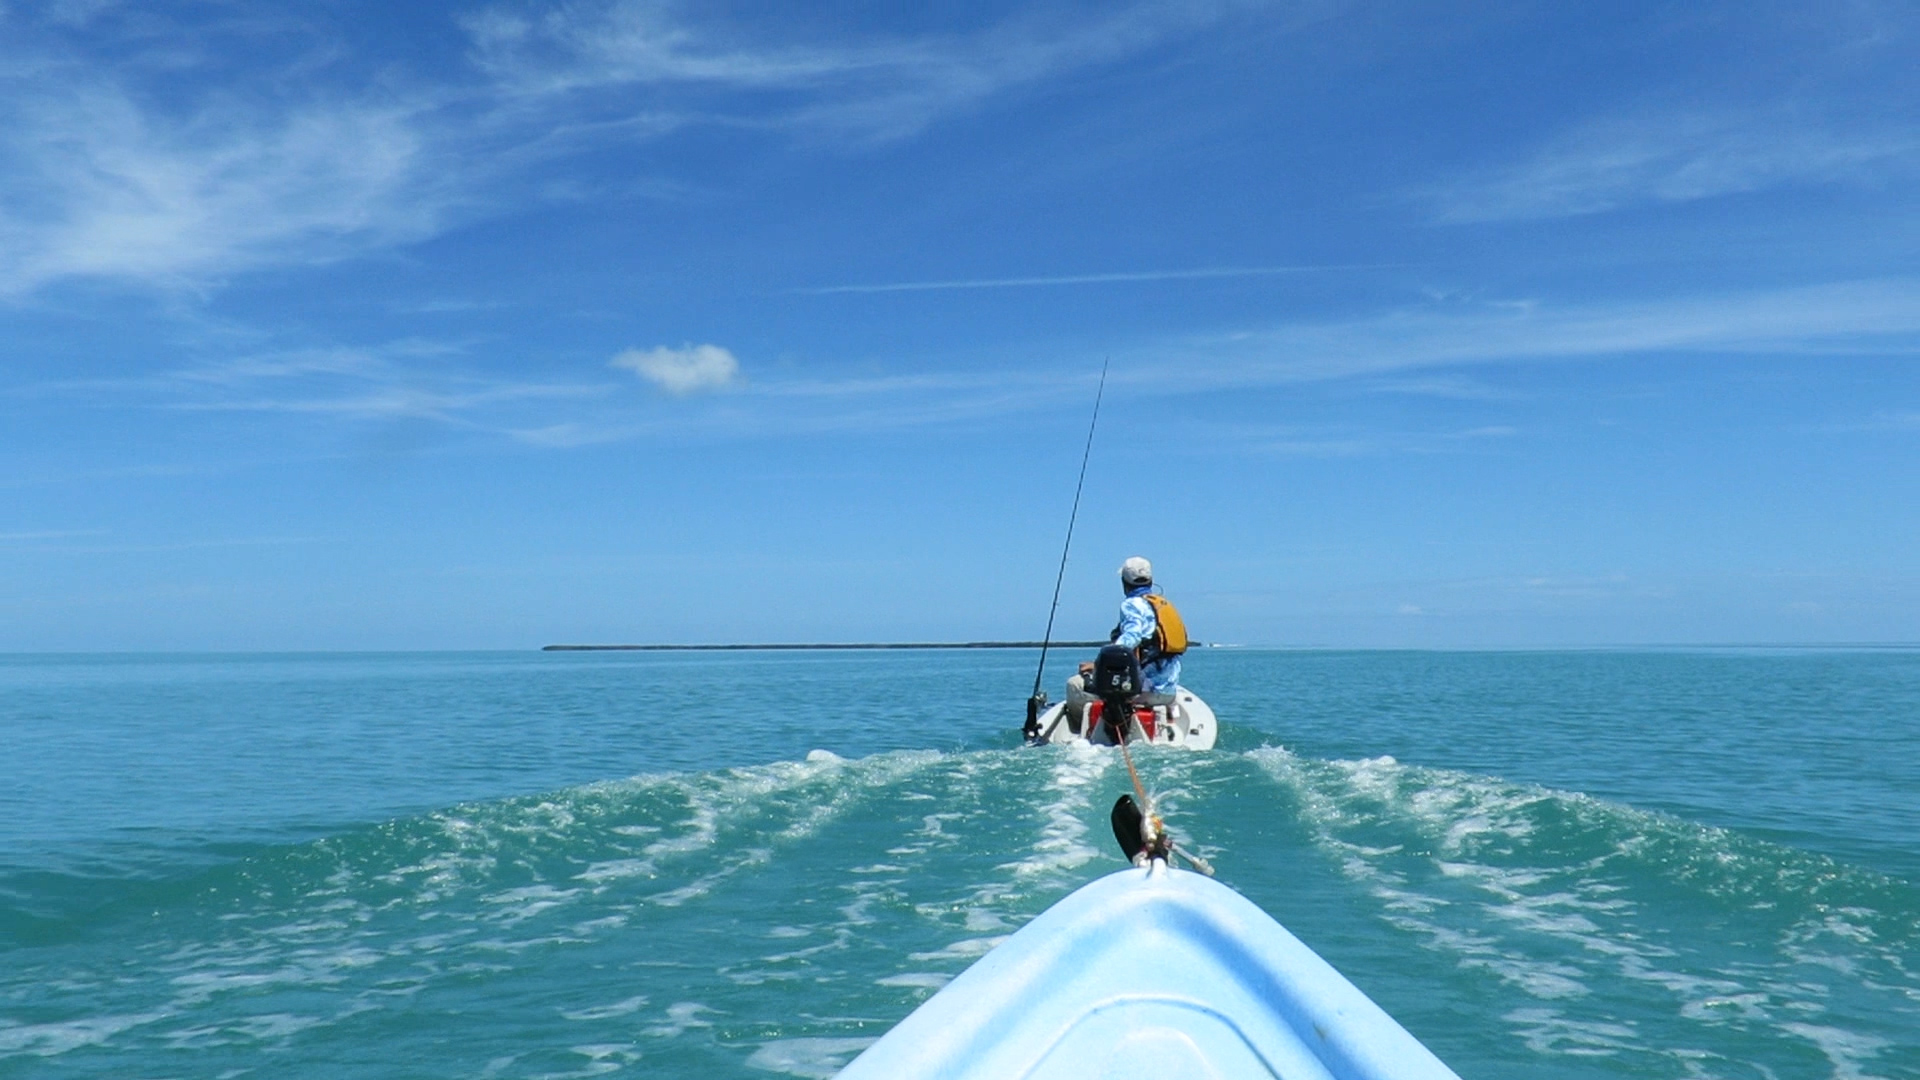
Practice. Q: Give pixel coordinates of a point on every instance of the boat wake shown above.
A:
(1662, 946)
(777, 918)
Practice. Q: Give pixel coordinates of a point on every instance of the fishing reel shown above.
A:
(1143, 838)
(1036, 705)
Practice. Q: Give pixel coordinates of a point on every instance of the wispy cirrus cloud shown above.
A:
(1337, 440)
(1115, 278)
(406, 380)
(1431, 349)
(1876, 317)
(182, 545)
(48, 534)
(128, 170)
(1882, 420)
(1624, 161)
(875, 88)
(777, 407)
(98, 184)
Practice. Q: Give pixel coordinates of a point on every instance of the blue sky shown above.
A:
(344, 325)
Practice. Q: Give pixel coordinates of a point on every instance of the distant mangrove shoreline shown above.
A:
(827, 646)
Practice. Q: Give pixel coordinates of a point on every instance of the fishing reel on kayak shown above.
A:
(1144, 838)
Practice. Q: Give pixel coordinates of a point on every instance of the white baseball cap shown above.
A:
(1136, 571)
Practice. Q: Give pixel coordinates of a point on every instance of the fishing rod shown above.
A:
(1038, 699)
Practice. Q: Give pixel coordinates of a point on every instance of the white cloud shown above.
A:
(98, 182)
(877, 88)
(1617, 162)
(1859, 317)
(407, 380)
(686, 370)
(101, 186)
(1122, 277)
(166, 168)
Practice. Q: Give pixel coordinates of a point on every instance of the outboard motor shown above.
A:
(1116, 679)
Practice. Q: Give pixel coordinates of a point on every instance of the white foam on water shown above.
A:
(704, 884)
(1073, 771)
(606, 870)
(931, 834)
(967, 949)
(602, 1058)
(682, 1016)
(1847, 1051)
(1549, 1033)
(518, 905)
(856, 913)
(477, 838)
(52, 1040)
(479, 846)
(1492, 912)
(263, 1027)
(1727, 1008)
(516, 946)
(816, 1059)
(604, 1012)
(1076, 770)
(981, 921)
(1339, 795)
(1457, 814)
(199, 986)
(1544, 979)
(841, 936)
(922, 980)
(445, 872)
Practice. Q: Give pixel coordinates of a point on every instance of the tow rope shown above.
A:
(1137, 826)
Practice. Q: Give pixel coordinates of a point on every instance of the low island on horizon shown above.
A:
(825, 646)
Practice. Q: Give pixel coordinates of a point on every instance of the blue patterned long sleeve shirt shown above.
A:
(1139, 624)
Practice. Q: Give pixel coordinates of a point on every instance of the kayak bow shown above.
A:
(1149, 972)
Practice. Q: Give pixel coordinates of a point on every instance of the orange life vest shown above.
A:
(1170, 635)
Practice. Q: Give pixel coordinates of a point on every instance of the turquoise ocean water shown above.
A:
(1591, 864)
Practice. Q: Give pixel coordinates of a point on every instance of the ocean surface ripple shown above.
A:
(765, 917)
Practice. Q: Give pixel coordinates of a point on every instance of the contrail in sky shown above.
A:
(1085, 279)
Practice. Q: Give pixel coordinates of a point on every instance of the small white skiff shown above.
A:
(1187, 722)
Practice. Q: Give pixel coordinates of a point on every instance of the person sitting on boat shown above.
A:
(1152, 629)
(1079, 696)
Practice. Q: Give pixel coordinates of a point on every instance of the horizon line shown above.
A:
(789, 646)
(828, 646)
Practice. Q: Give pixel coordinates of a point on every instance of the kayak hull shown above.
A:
(1149, 973)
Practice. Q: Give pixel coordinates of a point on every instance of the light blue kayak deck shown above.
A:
(1150, 973)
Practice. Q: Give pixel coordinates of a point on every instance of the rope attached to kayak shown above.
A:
(1138, 826)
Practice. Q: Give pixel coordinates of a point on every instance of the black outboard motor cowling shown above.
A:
(1116, 674)
(1116, 679)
